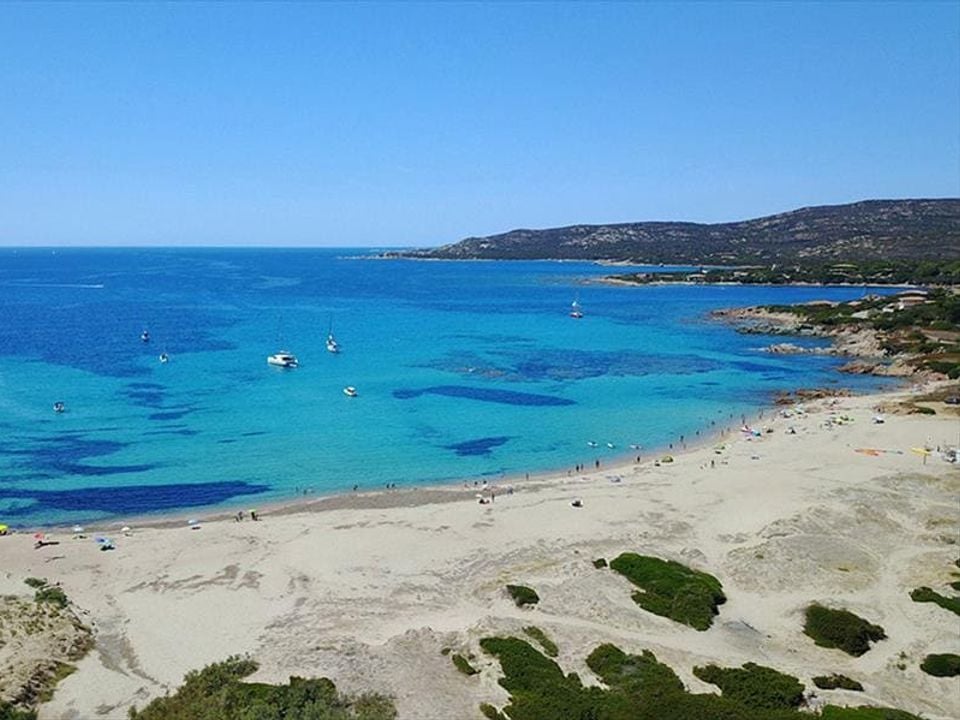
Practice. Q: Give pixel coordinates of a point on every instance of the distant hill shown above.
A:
(858, 232)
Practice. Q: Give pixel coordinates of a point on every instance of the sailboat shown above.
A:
(332, 345)
(284, 358)
(575, 311)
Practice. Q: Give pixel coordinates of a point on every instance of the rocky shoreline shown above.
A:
(865, 346)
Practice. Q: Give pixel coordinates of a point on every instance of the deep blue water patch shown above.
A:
(552, 365)
(131, 500)
(169, 415)
(504, 397)
(63, 455)
(173, 430)
(479, 446)
(144, 397)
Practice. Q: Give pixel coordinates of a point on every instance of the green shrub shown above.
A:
(925, 594)
(832, 712)
(841, 629)
(637, 675)
(53, 595)
(639, 687)
(217, 693)
(943, 665)
(489, 711)
(548, 645)
(955, 585)
(522, 595)
(922, 410)
(836, 681)
(463, 665)
(600, 563)
(36, 582)
(672, 590)
(9, 712)
(754, 685)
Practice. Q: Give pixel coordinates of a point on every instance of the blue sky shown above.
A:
(420, 124)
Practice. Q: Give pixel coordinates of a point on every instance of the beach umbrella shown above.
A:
(125, 529)
(77, 528)
(39, 537)
(3, 529)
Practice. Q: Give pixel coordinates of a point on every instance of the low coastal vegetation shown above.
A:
(754, 685)
(672, 590)
(463, 665)
(837, 682)
(10, 712)
(217, 692)
(523, 595)
(640, 687)
(925, 594)
(941, 665)
(841, 629)
(600, 563)
(543, 640)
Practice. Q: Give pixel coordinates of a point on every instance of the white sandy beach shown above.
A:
(367, 590)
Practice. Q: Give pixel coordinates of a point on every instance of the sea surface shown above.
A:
(464, 371)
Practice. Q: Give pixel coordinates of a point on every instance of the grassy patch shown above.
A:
(836, 682)
(925, 594)
(463, 665)
(672, 590)
(522, 595)
(841, 629)
(943, 665)
(754, 685)
(35, 582)
(63, 670)
(217, 693)
(548, 645)
(52, 595)
(600, 563)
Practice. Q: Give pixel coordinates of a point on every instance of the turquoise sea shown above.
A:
(463, 370)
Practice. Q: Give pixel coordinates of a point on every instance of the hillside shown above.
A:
(857, 232)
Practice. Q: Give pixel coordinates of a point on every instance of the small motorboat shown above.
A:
(145, 336)
(591, 443)
(164, 357)
(283, 359)
(332, 345)
(59, 407)
(350, 391)
(576, 312)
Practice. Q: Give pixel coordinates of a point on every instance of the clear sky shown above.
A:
(420, 124)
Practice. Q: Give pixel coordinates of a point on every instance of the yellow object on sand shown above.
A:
(3, 529)
(920, 451)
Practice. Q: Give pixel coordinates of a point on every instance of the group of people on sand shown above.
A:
(253, 516)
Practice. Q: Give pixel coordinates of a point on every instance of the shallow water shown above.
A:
(462, 369)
